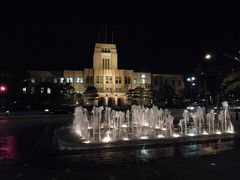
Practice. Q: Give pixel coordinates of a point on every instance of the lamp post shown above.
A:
(209, 57)
(192, 83)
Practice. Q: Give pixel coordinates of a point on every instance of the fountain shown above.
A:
(105, 125)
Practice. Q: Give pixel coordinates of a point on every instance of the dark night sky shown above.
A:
(163, 38)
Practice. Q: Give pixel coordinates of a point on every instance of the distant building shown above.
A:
(173, 80)
(111, 83)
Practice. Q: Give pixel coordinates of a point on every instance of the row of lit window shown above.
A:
(118, 80)
(99, 79)
(105, 50)
(62, 80)
(32, 90)
(137, 81)
(109, 89)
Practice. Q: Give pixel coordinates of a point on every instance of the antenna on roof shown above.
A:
(112, 36)
(98, 35)
(105, 33)
(102, 32)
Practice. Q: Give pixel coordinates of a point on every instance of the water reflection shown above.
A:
(189, 150)
(8, 147)
(7, 140)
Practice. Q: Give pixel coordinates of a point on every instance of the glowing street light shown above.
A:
(211, 57)
(3, 88)
(208, 57)
(191, 81)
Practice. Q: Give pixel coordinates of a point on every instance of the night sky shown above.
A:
(161, 38)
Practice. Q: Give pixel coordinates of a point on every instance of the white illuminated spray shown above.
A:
(144, 123)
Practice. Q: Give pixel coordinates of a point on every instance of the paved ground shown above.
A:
(19, 134)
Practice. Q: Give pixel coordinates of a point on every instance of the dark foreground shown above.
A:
(23, 156)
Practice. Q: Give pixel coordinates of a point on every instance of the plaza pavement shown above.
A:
(192, 162)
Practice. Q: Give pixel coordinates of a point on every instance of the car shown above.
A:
(4, 111)
(61, 109)
(193, 106)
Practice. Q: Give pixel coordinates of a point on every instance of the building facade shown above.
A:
(111, 83)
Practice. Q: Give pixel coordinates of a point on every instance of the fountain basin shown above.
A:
(65, 140)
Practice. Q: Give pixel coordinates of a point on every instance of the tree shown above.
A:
(64, 94)
(90, 95)
(69, 94)
(231, 84)
(140, 96)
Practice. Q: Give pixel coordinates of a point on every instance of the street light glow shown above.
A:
(188, 79)
(208, 56)
(3, 88)
(193, 78)
(143, 76)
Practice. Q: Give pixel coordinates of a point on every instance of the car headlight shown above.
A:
(190, 108)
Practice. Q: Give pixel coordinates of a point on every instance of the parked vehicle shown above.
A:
(61, 109)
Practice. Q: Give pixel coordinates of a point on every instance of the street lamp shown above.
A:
(192, 83)
(209, 57)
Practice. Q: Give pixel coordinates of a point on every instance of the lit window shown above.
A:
(24, 90)
(81, 79)
(55, 80)
(33, 80)
(61, 80)
(71, 80)
(67, 80)
(143, 81)
(48, 90)
(42, 90)
(100, 79)
(97, 79)
(32, 90)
